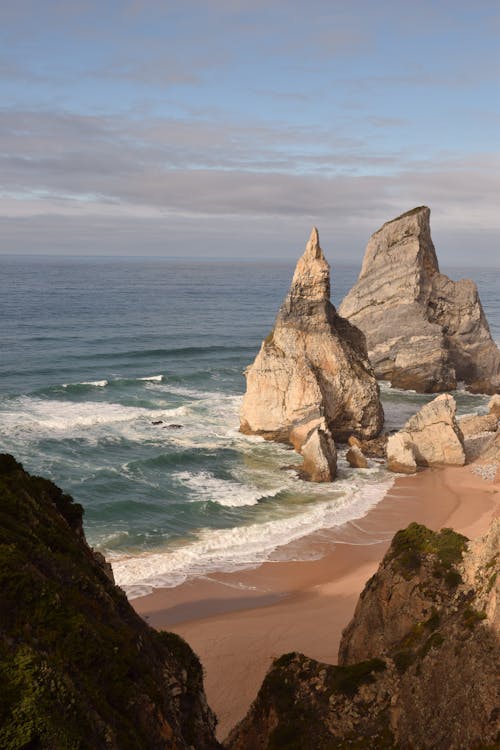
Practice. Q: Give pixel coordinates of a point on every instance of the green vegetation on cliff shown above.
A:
(78, 667)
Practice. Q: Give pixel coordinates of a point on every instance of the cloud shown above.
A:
(106, 184)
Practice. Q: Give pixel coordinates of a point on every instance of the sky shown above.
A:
(227, 128)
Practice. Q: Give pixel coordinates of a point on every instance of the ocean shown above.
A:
(121, 380)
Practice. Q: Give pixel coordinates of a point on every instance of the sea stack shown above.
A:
(423, 331)
(312, 371)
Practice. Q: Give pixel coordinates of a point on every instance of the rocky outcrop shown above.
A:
(312, 366)
(423, 330)
(432, 437)
(418, 664)
(79, 668)
(320, 455)
(475, 424)
(356, 458)
(494, 406)
(400, 454)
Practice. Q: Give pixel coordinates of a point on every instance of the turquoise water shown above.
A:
(94, 352)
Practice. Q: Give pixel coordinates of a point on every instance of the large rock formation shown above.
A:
(418, 664)
(313, 366)
(432, 436)
(423, 331)
(78, 667)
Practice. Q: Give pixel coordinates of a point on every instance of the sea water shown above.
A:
(121, 380)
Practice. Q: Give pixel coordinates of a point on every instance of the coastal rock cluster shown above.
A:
(78, 667)
(432, 437)
(311, 381)
(418, 663)
(423, 330)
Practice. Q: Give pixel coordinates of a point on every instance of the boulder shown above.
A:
(423, 330)
(353, 440)
(432, 437)
(494, 405)
(375, 448)
(355, 458)
(475, 424)
(400, 455)
(312, 366)
(320, 455)
(435, 434)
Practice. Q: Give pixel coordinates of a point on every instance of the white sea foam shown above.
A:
(153, 378)
(239, 547)
(34, 418)
(94, 383)
(203, 485)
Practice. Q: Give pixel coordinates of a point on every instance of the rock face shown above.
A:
(356, 458)
(400, 454)
(423, 331)
(494, 406)
(312, 366)
(432, 437)
(418, 664)
(320, 455)
(79, 668)
(475, 424)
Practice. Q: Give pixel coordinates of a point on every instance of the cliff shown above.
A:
(423, 330)
(418, 664)
(78, 667)
(313, 366)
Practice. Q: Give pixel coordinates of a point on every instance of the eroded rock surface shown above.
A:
(432, 436)
(418, 664)
(423, 330)
(312, 366)
(320, 455)
(400, 454)
(356, 458)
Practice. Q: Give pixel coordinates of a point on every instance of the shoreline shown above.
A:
(239, 622)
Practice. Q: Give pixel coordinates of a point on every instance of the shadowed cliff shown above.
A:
(78, 667)
(418, 664)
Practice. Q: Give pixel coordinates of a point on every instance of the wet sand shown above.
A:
(239, 622)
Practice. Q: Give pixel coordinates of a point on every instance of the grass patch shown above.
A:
(410, 545)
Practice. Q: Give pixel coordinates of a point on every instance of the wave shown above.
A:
(205, 486)
(153, 378)
(92, 383)
(52, 417)
(239, 547)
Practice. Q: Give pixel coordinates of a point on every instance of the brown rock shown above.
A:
(355, 458)
(423, 331)
(400, 454)
(320, 455)
(433, 434)
(375, 448)
(475, 424)
(494, 405)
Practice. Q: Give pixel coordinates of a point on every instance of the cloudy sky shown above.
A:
(229, 127)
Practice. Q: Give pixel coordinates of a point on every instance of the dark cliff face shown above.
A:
(418, 664)
(78, 667)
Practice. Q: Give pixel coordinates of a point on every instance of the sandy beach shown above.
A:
(239, 622)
